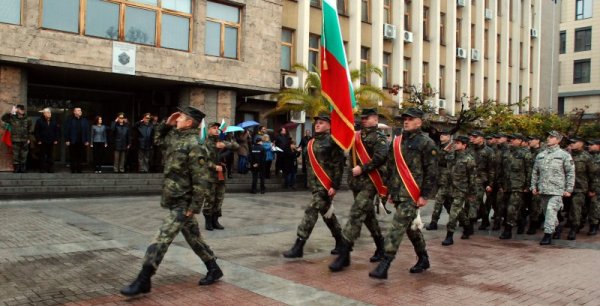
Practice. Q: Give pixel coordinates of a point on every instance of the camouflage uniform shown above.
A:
(595, 205)
(214, 202)
(20, 132)
(516, 178)
(331, 158)
(484, 158)
(463, 175)
(420, 154)
(501, 195)
(185, 188)
(364, 191)
(583, 184)
(535, 208)
(443, 197)
(553, 174)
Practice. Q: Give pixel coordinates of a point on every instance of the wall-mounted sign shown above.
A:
(123, 58)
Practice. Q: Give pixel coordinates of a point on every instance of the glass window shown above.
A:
(231, 40)
(407, 21)
(102, 19)
(406, 75)
(441, 88)
(151, 2)
(581, 72)
(583, 39)
(426, 23)
(386, 69)
(222, 30)
(62, 15)
(458, 31)
(10, 11)
(184, 6)
(442, 28)
(287, 46)
(341, 6)
(316, 3)
(563, 42)
(387, 11)
(364, 11)
(364, 62)
(175, 32)
(583, 9)
(222, 12)
(140, 26)
(313, 52)
(212, 41)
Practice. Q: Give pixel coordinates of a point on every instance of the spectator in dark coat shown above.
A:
(145, 136)
(47, 134)
(77, 134)
(257, 164)
(290, 165)
(122, 141)
(244, 142)
(282, 141)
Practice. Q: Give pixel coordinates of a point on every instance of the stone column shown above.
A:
(398, 48)
(13, 90)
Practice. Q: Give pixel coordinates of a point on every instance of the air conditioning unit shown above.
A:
(298, 116)
(290, 81)
(442, 103)
(461, 3)
(408, 36)
(534, 33)
(489, 14)
(475, 55)
(389, 31)
(461, 53)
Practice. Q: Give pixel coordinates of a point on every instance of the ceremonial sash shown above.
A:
(405, 174)
(317, 169)
(364, 158)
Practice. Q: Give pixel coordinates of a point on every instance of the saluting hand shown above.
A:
(172, 120)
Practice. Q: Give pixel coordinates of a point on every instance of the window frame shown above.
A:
(458, 32)
(587, 30)
(290, 45)
(442, 28)
(387, 5)
(406, 74)
(368, 11)
(21, 15)
(386, 69)
(364, 61)
(582, 61)
(582, 15)
(317, 51)
(562, 43)
(426, 23)
(225, 24)
(345, 12)
(123, 4)
(441, 81)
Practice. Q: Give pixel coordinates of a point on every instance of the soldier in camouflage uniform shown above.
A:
(212, 209)
(364, 191)
(583, 184)
(593, 193)
(420, 154)
(484, 158)
(443, 197)
(490, 201)
(502, 151)
(553, 177)
(185, 189)
(535, 205)
(20, 132)
(463, 175)
(516, 177)
(331, 158)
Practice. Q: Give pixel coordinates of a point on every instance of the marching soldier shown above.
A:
(20, 132)
(443, 197)
(516, 177)
(502, 150)
(484, 158)
(553, 177)
(212, 209)
(583, 184)
(412, 180)
(366, 180)
(463, 175)
(325, 168)
(535, 206)
(184, 190)
(595, 203)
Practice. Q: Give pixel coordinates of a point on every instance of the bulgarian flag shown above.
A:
(336, 85)
(203, 131)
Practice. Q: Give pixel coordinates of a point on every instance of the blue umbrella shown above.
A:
(233, 128)
(247, 124)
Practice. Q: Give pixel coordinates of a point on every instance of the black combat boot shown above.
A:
(382, 269)
(466, 233)
(432, 226)
(449, 240)
(557, 232)
(507, 233)
(533, 226)
(546, 240)
(593, 230)
(422, 264)
(379, 251)
(496, 226)
(212, 275)
(485, 223)
(216, 224)
(343, 259)
(297, 251)
(520, 227)
(572, 234)
(208, 221)
(141, 284)
(338, 241)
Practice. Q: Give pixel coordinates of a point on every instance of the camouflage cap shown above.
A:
(192, 112)
(536, 137)
(555, 134)
(516, 136)
(594, 142)
(444, 132)
(366, 112)
(462, 139)
(213, 124)
(576, 139)
(476, 133)
(323, 118)
(412, 112)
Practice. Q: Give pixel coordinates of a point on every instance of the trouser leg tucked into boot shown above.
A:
(533, 225)
(557, 232)
(572, 234)
(141, 284)
(546, 240)
(378, 256)
(343, 259)
(381, 271)
(449, 239)
(593, 230)
(216, 223)
(297, 251)
(432, 226)
(338, 241)
(422, 264)
(507, 233)
(213, 274)
(208, 221)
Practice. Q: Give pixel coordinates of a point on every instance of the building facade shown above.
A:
(579, 57)
(209, 54)
(464, 49)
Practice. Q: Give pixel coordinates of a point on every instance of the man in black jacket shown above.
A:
(257, 164)
(47, 134)
(77, 134)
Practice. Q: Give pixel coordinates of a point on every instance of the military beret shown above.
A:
(555, 134)
(192, 112)
(322, 117)
(412, 112)
(366, 112)
(476, 133)
(462, 139)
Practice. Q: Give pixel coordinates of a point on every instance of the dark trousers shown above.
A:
(98, 152)
(229, 164)
(258, 173)
(268, 164)
(290, 178)
(46, 157)
(77, 155)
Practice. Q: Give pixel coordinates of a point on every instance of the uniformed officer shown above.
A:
(443, 197)
(415, 155)
(20, 132)
(486, 171)
(553, 177)
(502, 150)
(185, 189)
(534, 208)
(594, 150)
(366, 182)
(583, 184)
(325, 162)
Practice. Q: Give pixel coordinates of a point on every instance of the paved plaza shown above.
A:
(82, 251)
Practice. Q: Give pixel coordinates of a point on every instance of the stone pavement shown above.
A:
(82, 251)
